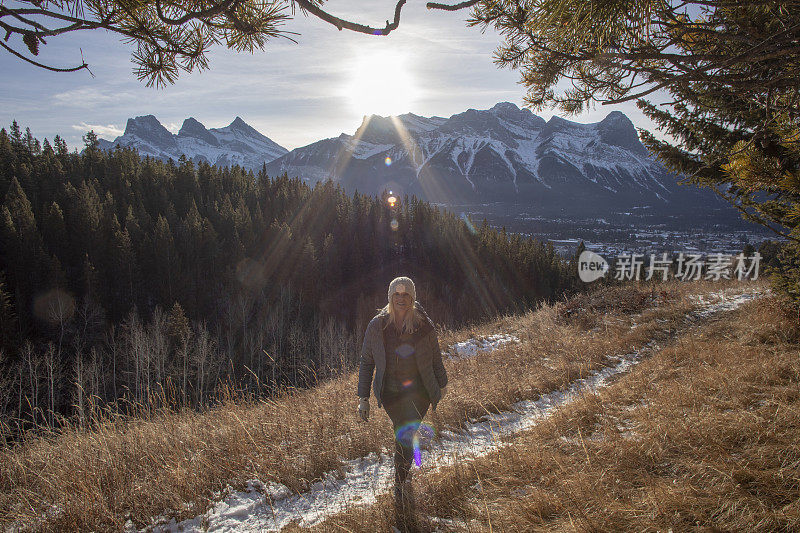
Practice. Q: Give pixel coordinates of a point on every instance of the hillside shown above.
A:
(699, 434)
(291, 450)
(121, 277)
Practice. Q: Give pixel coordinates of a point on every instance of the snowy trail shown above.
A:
(271, 507)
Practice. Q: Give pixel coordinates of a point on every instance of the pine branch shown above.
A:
(353, 26)
(84, 65)
(191, 15)
(752, 216)
(448, 7)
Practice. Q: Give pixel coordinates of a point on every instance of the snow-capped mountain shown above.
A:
(236, 144)
(503, 154)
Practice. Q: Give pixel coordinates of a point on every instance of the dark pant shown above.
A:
(406, 409)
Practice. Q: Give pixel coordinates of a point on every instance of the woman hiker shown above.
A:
(401, 347)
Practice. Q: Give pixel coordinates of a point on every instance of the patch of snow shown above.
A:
(365, 150)
(472, 347)
(417, 124)
(510, 165)
(29, 524)
(725, 299)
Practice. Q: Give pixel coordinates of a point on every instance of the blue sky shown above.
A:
(293, 93)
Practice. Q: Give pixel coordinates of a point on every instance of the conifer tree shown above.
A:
(8, 318)
(177, 324)
(30, 143)
(60, 146)
(15, 135)
(731, 117)
(164, 260)
(46, 147)
(6, 151)
(54, 230)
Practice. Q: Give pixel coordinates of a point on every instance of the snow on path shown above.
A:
(271, 507)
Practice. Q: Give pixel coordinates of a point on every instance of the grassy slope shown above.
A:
(178, 462)
(702, 435)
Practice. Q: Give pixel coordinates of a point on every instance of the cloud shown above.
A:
(109, 132)
(87, 97)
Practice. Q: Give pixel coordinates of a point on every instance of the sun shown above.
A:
(381, 84)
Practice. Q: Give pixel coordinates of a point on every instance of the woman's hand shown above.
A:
(363, 408)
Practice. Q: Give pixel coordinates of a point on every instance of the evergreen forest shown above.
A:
(130, 283)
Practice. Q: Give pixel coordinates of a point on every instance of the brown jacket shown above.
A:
(427, 354)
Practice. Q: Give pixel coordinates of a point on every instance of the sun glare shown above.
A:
(381, 84)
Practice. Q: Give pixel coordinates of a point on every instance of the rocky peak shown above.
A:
(236, 144)
(239, 125)
(618, 130)
(555, 125)
(505, 107)
(521, 117)
(193, 128)
(149, 129)
(378, 130)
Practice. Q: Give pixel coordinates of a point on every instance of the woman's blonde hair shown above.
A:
(411, 320)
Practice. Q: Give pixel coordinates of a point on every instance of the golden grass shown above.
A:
(175, 463)
(704, 435)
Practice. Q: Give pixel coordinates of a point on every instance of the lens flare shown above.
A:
(392, 200)
(426, 432)
(469, 225)
(388, 161)
(405, 433)
(54, 306)
(407, 383)
(394, 224)
(413, 435)
(405, 350)
(250, 273)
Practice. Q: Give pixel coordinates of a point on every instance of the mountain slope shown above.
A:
(236, 144)
(503, 154)
(694, 435)
(177, 473)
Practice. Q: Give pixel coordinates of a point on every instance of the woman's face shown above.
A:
(402, 301)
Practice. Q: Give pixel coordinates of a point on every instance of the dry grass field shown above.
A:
(701, 434)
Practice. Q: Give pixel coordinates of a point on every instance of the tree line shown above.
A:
(127, 279)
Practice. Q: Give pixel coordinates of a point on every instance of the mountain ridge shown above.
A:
(504, 154)
(235, 144)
